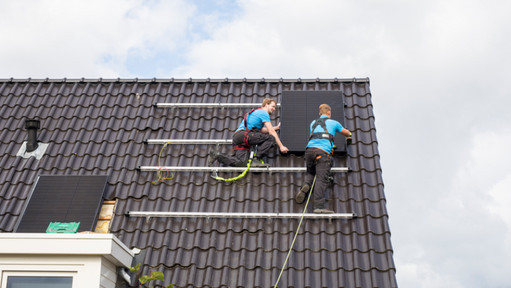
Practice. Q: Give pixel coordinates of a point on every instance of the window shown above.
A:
(40, 279)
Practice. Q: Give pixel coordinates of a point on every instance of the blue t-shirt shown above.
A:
(255, 119)
(332, 126)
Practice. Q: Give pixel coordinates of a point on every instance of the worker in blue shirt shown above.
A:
(318, 158)
(254, 129)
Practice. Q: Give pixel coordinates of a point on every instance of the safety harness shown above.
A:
(244, 145)
(321, 135)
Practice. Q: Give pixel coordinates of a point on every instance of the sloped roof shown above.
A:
(98, 127)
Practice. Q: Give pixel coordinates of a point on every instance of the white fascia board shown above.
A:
(106, 245)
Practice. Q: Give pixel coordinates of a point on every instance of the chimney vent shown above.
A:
(32, 126)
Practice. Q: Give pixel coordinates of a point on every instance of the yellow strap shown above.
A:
(237, 177)
(162, 178)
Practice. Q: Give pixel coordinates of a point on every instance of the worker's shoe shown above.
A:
(300, 197)
(323, 211)
(212, 157)
(258, 163)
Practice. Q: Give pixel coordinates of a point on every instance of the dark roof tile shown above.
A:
(98, 127)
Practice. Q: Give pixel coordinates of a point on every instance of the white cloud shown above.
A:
(501, 201)
(286, 38)
(461, 233)
(428, 276)
(86, 38)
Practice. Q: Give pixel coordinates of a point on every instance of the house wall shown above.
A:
(91, 260)
(108, 275)
(84, 269)
(87, 271)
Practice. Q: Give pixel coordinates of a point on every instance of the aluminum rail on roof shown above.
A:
(209, 105)
(232, 169)
(188, 141)
(150, 214)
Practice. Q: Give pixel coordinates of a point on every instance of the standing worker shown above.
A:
(318, 158)
(254, 129)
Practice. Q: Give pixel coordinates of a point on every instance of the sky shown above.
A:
(437, 70)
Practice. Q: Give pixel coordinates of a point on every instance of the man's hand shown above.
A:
(273, 133)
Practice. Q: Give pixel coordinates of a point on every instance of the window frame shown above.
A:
(37, 273)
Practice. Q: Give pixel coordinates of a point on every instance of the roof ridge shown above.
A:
(226, 80)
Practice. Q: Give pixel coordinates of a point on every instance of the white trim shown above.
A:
(94, 258)
(106, 245)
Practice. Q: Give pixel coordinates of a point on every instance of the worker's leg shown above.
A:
(263, 141)
(310, 161)
(233, 161)
(310, 164)
(239, 157)
(323, 167)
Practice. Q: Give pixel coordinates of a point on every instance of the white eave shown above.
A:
(105, 245)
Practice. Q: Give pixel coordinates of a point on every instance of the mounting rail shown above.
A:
(209, 105)
(188, 141)
(232, 169)
(150, 214)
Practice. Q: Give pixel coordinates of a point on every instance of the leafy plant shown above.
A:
(154, 276)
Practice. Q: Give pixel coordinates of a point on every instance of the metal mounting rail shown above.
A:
(188, 141)
(232, 169)
(149, 214)
(209, 105)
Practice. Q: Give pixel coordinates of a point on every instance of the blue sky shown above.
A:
(438, 70)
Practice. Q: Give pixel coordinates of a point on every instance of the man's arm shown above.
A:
(345, 132)
(270, 130)
(265, 130)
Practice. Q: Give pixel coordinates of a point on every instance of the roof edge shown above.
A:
(177, 80)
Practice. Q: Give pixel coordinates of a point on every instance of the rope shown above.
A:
(160, 173)
(237, 177)
(296, 234)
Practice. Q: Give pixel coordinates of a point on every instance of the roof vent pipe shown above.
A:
(32, 126)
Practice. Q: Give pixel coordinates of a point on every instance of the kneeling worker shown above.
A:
(318, 158)
(254, 129)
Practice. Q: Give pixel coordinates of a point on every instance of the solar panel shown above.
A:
(300, 108)
(63, 199)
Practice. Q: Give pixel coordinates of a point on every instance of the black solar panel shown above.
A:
(300, 108)
(63, 199)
